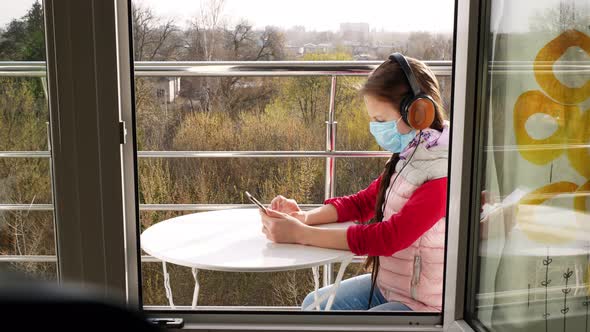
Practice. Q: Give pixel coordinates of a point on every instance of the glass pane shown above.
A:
(266, 113)
(534, 241)
(27, 233)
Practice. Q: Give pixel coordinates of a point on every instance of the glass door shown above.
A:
(531, 243)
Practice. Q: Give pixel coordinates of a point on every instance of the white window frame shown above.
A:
(96, 230)
(89, 96)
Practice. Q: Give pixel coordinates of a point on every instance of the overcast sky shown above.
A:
(391, 15)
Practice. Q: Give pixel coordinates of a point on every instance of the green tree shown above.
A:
(24, 40)
(308, 97)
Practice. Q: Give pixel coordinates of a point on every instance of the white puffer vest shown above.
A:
(414, 276)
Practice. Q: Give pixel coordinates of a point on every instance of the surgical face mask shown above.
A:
(388, 137)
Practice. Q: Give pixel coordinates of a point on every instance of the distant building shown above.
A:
(354, 32)
(167, 89)
(294, 50)
(318, 48)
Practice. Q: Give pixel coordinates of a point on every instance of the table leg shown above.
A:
(167, 285)
(331, 292)
(316, 279)
(196, 291)
(328, 270)
(343, 266)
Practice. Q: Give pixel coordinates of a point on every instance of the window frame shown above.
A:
(477, 177)
(468, 68)
(83, 45)
(117, 269)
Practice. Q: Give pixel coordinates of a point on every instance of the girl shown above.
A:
(401, 213)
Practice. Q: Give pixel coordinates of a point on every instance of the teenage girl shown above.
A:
(401, 213)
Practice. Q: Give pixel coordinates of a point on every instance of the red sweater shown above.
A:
(426, 206)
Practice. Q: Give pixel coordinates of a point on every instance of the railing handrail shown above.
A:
(222, 154)
(231, 68)
(288, 68)
(149, 207)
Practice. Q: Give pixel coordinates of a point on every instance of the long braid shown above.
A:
(388, 171)
(379, 207)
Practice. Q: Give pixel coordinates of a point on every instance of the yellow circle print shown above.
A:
(541, 151)
(578, 151)
(543, 67)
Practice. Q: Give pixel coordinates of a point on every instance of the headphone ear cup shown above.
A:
(420, 112)
(403, 108)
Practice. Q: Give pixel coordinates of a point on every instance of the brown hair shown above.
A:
(389, 83)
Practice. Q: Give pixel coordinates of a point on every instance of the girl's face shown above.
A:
(382, 111)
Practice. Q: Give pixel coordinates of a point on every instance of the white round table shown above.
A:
(232, 241)
(545, 222)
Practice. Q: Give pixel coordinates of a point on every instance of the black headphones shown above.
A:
(417, 108)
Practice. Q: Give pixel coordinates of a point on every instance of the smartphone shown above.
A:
(255, 201)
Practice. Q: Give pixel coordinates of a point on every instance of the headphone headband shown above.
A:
(417, 110)
(405, 66)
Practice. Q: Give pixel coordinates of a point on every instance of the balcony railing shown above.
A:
(331, 69)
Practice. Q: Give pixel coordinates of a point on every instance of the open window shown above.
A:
(234, 96)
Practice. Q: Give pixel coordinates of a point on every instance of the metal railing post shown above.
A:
(330, 164)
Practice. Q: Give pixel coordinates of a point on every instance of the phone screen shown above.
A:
(255, 201)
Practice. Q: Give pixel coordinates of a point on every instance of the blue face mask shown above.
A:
(388, 137)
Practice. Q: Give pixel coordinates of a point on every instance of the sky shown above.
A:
(390, 15)
(10, 10)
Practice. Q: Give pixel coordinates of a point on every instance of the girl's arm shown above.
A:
(426, 207)
(325, 238)
(324, 214)
(422, 211)
(357, 207)
(280, 227)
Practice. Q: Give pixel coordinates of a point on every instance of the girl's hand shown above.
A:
(282, 228)
(299, 215)
(283, 204)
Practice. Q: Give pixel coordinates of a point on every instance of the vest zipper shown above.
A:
(415, 277)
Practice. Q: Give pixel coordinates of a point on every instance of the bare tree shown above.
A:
(152, 36)
(242, 36)
(272, 42)
(209, 22)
